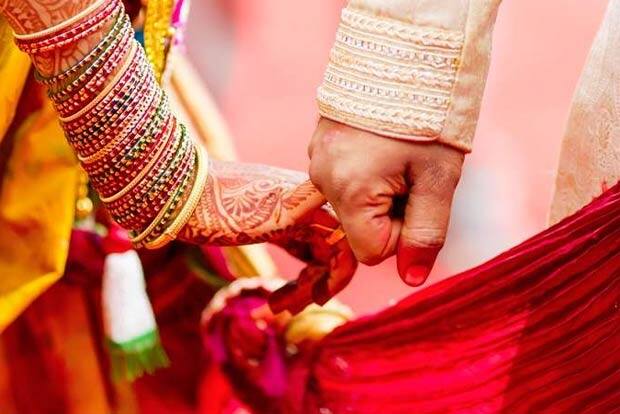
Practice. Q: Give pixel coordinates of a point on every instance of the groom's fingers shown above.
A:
(345, 167)
(364, 176)
(371, 232)
(427, 216)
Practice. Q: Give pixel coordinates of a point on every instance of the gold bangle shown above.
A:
(156, 221)
(170, 233)
(105, 150)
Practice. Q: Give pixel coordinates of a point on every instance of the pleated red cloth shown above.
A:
(535, 330)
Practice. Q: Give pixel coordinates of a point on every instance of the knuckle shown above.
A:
(365, 251)
(425, 236)
(356, 192)
(439, 177)
(316, 174)
(346, 175)
(366, 257)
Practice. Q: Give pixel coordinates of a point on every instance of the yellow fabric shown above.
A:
(38, 194)
(36, 212)
(14, 67)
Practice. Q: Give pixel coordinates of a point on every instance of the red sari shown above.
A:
(535, 330)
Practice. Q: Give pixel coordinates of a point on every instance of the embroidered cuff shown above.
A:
(403, 80)
(389, 77)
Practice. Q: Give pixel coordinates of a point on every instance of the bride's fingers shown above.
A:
(316, 284)
(331, 267)
(302, 200)
(342, 267)
(297, 294)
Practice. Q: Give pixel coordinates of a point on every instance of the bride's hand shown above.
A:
(245, 203)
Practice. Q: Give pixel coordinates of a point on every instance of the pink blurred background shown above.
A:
(264, 59)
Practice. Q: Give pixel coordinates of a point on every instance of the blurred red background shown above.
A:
(264, 59)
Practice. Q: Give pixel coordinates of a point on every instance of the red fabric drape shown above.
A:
(535, 330)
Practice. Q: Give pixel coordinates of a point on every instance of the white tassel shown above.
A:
(128, 317)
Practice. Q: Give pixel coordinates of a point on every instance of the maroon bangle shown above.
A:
(88, 86)
(125, 170)
(133, 117)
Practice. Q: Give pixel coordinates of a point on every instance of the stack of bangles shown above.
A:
(140, 159)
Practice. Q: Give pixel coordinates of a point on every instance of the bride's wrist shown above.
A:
(33, 19)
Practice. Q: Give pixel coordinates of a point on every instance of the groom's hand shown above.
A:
(392, 196)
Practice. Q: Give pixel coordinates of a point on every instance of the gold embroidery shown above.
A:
(390, 77)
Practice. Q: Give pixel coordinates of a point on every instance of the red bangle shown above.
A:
(84, 92)
(140, 113)
(116, 132)
(74, 33)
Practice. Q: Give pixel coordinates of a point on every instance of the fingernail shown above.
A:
(418, 262)
(417, 275)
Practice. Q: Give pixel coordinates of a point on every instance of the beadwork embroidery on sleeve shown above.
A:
(390, 77)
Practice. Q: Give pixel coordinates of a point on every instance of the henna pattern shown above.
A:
(21, 16)
(36, 15)
(26, 16)
(244, 203)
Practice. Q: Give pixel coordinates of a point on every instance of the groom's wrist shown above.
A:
(410, 69)
(390, 77)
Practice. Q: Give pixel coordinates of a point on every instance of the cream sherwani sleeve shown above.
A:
(410, 69)
(590, 157)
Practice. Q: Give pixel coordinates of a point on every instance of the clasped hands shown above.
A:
(389, 196)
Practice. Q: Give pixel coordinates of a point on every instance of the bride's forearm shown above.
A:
(33, 16)
(140, 159)
(153, 179)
